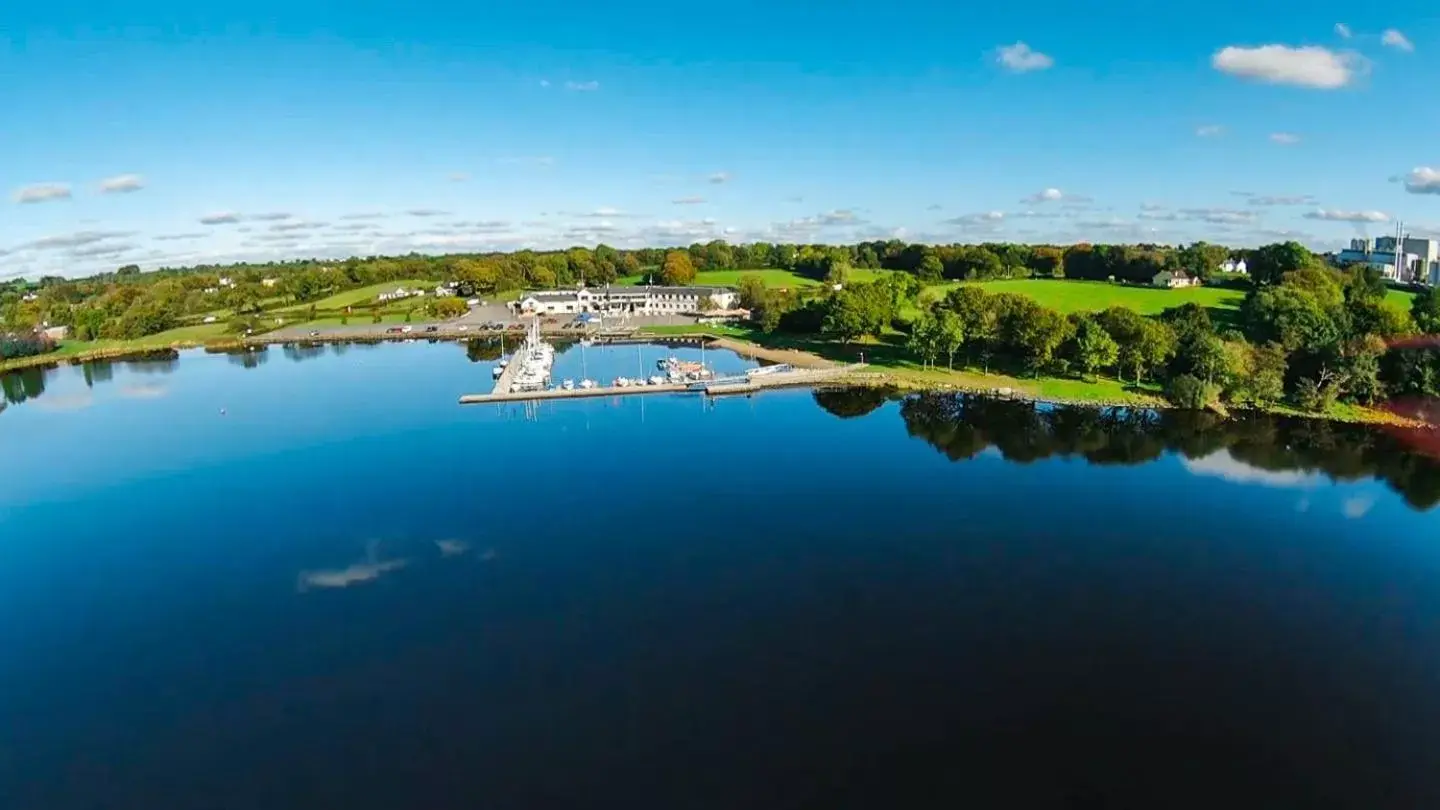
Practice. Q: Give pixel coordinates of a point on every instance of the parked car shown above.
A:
(394, 330)
(314, 333)
(462, 328)
(432, 329)
(407, 329)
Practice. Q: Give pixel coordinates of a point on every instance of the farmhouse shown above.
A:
(1174, 279)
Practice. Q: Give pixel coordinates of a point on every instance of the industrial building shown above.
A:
(1402, 259)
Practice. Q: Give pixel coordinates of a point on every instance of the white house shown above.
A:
(29, 297)
(398, 294)
(444, 290)
(625, 300)
(1234, 266)
(226, 282)
(1174, 279)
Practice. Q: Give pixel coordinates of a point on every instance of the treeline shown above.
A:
(1317, 337)
(962, 427)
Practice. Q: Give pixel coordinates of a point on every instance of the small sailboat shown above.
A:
(568, 385)
(587, 384)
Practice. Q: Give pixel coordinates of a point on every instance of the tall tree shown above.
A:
(678, 269)
(1425, 310)
(1094, 349)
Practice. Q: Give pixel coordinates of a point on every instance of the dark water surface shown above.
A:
(347, 591)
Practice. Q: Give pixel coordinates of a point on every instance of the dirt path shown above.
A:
(794, 357)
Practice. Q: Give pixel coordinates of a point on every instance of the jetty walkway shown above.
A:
(800, 377)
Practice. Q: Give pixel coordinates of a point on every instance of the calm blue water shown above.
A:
(313, 580)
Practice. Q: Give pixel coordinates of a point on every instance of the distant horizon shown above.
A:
(163, 136)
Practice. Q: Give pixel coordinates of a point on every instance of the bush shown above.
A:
(1313, 396)
(1192, 393)
(22, 345)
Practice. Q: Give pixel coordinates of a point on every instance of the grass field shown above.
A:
(366, 295)
(1068, 296)
(772, 278)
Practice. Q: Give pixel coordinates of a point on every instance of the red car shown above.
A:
(394, 330)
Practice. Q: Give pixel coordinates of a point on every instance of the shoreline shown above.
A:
(872, 377)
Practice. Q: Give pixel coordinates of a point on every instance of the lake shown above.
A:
(307, 578)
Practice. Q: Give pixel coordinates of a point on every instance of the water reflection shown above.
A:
(848, 403)
(159, 362)
(250, 357)
(300, 352)
(482, 351)
(97, 373)
(22, 385)
(1252, 448)
(452, 548)
(368, 569)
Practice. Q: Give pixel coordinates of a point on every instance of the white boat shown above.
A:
(657, 380)
(587, 384)
(497, 371)
(622, 382)
(568, 385)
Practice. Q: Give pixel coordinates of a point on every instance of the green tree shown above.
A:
(1425, 311)
(931, 269)
(1265, 374)
(752, 291)
(950, 334)
(1269, 264)
(924, 339)
(1094, 349)
(1190, 392)
(1201, 259)
(1039, 333)
(844, 318)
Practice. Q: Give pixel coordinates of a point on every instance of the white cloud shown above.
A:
(1423, 180)
(226, 218)
(273, 216)
(1331, 215)
(452, 548)
(719, 177)
(74, 240)
(143, 391)
(1219, 216)
(1284, 138)
(459, 177)
(122, 184)
(179, 237)
(355, 574)
(1221, 464)
(1310, 66)
(1046, 195)
(426, 212)
(689, 201)
(1210, 131)
(1357, 507)
(1021, 58)
(1281, 199)
(544, 82)
(42, 192)
(1343, 31)
(582, 86)
(1394, 39)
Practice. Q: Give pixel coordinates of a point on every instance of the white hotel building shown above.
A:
(624, 301)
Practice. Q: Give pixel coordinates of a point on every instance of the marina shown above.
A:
(739, 384)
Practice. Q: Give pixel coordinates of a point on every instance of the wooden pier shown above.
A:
(784, 380)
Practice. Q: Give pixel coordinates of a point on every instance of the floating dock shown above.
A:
(758, 383)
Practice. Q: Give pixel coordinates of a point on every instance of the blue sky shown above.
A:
(384, 127)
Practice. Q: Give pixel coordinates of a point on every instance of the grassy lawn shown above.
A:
(1400, 299)
(1068, 296)
(366, 295)
(772, 278)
